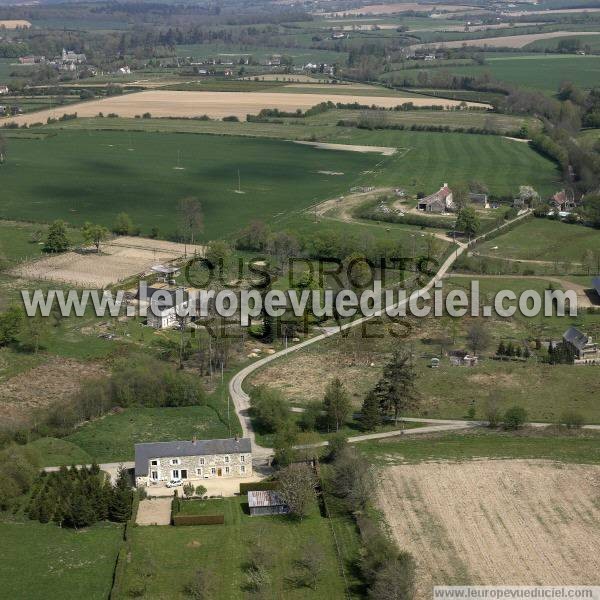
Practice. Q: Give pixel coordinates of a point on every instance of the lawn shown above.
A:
(54, 452)
(111, 438)
(164, 559)
(546, 240)
(44, 561)
(578, 447)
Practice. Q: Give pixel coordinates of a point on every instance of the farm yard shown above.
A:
(529, 522)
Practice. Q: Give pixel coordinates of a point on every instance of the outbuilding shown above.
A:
(266, 502)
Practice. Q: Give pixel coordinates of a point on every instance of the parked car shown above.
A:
(174, 483)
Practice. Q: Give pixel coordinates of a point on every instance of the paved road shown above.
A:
(241, 400)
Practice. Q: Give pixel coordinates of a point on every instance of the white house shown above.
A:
(3, 89)
(164, 307)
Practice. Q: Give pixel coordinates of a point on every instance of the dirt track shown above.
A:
(494, 522)
(215, 104)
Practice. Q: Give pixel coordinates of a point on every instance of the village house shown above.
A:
(563, 201)
(157, 463)
(439, 202)
(165, 306)
(3, 89)
(585, 351)
(266, 503)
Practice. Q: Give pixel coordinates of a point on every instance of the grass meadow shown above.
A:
(544, 239)
(81, 175)
(544, 72)
(560, 445)
(175, 553)
(44, 561)
(112, 437)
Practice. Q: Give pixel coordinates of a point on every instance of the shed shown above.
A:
(266, 502)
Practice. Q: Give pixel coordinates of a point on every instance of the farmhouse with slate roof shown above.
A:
(156, 463)
(585, 351)
(439, 202)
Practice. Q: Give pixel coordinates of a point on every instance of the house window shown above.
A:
(213, 471)
(242, 458)
(226, 459)
(154, 463)
(201, 461)
(226, 470)
(175, 474)
(199, 472)
(174, 461)
(242, 469)
(154, 475)
(183, 473)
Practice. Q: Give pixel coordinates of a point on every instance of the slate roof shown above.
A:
(576, 337)
(164, 298)
(439, 196)
(596, 284)
(146, 451)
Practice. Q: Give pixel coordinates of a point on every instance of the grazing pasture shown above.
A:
(45, 561)
(530, 522)
(544, 240)
(91, 175)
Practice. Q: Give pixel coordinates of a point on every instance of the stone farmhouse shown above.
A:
(585, 351)
(157, 463)
(563, 201)
(439, 202)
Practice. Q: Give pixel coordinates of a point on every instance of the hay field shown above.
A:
(216, 104)
(509, 41)
(118, 260)
(496, 522)
(14, 24)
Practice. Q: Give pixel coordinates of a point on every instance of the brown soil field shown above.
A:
(496, 522)
(215, 104)
(52, 382)
(119, 259)
(13, 24)
(509, 41)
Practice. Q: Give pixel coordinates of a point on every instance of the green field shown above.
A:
(112, 437)
(590, 43)
(578, 447)
(540, 71)
(543, 239)
(81, 175)
(44, 561)
(175, 553)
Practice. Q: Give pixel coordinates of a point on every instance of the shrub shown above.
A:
(572, 419)
(515, 417)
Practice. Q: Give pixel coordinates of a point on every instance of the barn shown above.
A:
(266, 502)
